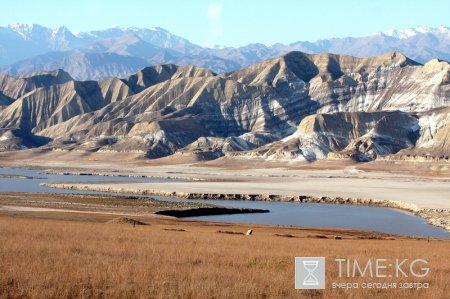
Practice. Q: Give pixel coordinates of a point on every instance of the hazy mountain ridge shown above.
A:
(118, 52)
(297, 106)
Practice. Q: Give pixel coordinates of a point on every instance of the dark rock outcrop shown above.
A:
(209, 211)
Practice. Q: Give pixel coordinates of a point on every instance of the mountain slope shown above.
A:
(121, 52)
(14, 88)
(296, 106)
(359, 135)
(81, 66)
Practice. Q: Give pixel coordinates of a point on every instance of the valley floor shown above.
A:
(425, 184)
(419, 186)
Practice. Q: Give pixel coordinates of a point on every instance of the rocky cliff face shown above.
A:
(359, 135)
(297, 106)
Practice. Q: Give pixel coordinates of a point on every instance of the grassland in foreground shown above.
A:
(43, 255)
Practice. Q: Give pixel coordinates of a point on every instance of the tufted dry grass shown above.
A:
(62, 259)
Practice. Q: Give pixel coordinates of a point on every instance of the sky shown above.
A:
(233, 22)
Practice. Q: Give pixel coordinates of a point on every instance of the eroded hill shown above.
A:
(297, 106)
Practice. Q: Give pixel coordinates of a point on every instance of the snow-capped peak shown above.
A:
(424, 29)
(139, 29)
(30, 31)
(20, 27)
(23, 29)
(63, 30)
(410, 32)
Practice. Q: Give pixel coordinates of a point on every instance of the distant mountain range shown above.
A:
(119, 52)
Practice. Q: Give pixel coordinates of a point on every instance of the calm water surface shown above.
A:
(328, 215)
(281, 213)
(39, 177)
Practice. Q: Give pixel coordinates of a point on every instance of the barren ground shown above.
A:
(424, 184)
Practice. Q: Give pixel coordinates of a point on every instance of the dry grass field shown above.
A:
(48, 258)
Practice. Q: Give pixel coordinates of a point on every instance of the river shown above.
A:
(377, 219)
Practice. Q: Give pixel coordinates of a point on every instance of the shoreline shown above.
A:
(50, 206)
(108, 204)
(45, 170)
(182, 213)
(437, 217)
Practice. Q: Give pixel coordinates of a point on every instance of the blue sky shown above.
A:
(231, 22)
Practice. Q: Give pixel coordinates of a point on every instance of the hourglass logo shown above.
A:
(310, 273)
